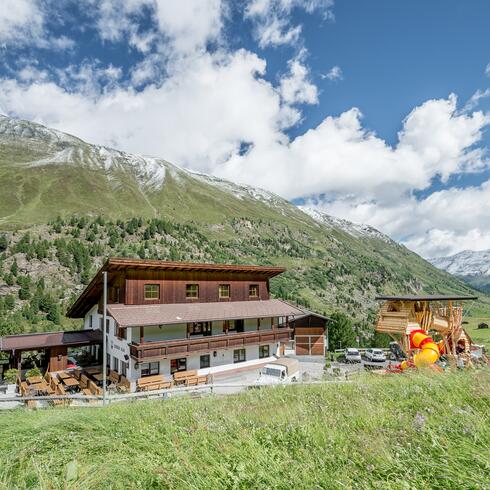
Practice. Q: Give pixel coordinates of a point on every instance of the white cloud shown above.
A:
(296, 87)
(487, 70)
(272, 19)
(180, 27)
(474, 100)
(335, 73)
(20, 21)
(197, 108)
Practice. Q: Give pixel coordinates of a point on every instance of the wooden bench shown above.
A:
(189, 378)
(84, 381)
(94, 389)
(113, 377)
(124, 384)
(156, 382)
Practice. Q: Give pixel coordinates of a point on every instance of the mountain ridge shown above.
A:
(79, 203)
(472, 266)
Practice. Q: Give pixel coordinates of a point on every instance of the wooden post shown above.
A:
(142, 335)
(258, 323)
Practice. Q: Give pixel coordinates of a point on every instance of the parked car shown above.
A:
(352, 355)
(375, 355)
(282, 371)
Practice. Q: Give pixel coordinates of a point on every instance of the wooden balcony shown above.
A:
(153, 351)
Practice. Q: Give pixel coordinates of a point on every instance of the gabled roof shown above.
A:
(167, 314)
(93, 291)
(427, 297)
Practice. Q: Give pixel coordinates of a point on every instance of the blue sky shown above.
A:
(375, 111)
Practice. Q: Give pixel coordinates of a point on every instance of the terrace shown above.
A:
(156, 350)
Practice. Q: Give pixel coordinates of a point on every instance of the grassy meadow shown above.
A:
(479, 336)
(412, 431)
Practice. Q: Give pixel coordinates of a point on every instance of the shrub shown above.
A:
(35, 371)
(10, 375)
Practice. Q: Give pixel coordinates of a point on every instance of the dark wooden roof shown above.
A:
(427, 297)
(93, 291)
(168, 314)
(35, 341)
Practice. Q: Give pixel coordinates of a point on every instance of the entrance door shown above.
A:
(178, 365)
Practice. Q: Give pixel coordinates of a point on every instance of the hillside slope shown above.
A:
(68, 204)
(424, 431)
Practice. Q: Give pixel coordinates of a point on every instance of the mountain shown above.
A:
(471, 266)
(66, 205)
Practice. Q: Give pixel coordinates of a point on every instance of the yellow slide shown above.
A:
(429, 350)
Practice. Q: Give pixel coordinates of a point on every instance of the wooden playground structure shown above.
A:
(440, 315)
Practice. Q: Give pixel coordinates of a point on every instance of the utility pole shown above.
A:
(104, 342)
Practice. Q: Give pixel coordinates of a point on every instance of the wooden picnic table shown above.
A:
(98, 376)
(93, 370)
(70, 382)
(34, 380)
(64, 375)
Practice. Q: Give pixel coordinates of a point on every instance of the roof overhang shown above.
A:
(427, 297)
(92, 292)
(170, 314)
(45, 340)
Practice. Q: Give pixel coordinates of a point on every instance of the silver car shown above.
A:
(352, 355)
(375, 355)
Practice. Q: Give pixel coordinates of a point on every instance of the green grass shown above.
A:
(404, 431)
(479, 336)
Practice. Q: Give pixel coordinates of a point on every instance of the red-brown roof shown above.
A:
(167, 314)
(93, 291)
(34, 341)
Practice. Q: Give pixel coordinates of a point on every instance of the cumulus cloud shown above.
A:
(20, 21)
(272, 19)
(295, 86)
(197, 107)
(179, 27)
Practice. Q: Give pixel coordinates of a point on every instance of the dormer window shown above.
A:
(224, 291)
(253, 291)
(152, 291)
(192, 291)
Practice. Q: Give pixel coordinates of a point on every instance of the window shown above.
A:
(178, 365)
(116, 364)
(205, 361)
(236, 326)
(152, 291)
(150, 368)
(239, 355)
(253, 291)
(124, 369)
(192, 291)
(122, 333)
(224, 291)
(199, 328)
(263, 351)
(108, 361)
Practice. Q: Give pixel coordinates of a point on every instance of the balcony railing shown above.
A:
(149, 351)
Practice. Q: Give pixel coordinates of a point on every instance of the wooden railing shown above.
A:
(162, 349)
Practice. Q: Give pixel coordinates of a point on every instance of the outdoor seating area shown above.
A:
(179, 378)
(83, 381)
(189, 378)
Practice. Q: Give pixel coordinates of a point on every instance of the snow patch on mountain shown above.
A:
(465, 263)
(353, 229)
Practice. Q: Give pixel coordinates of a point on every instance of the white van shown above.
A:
(282, 371)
